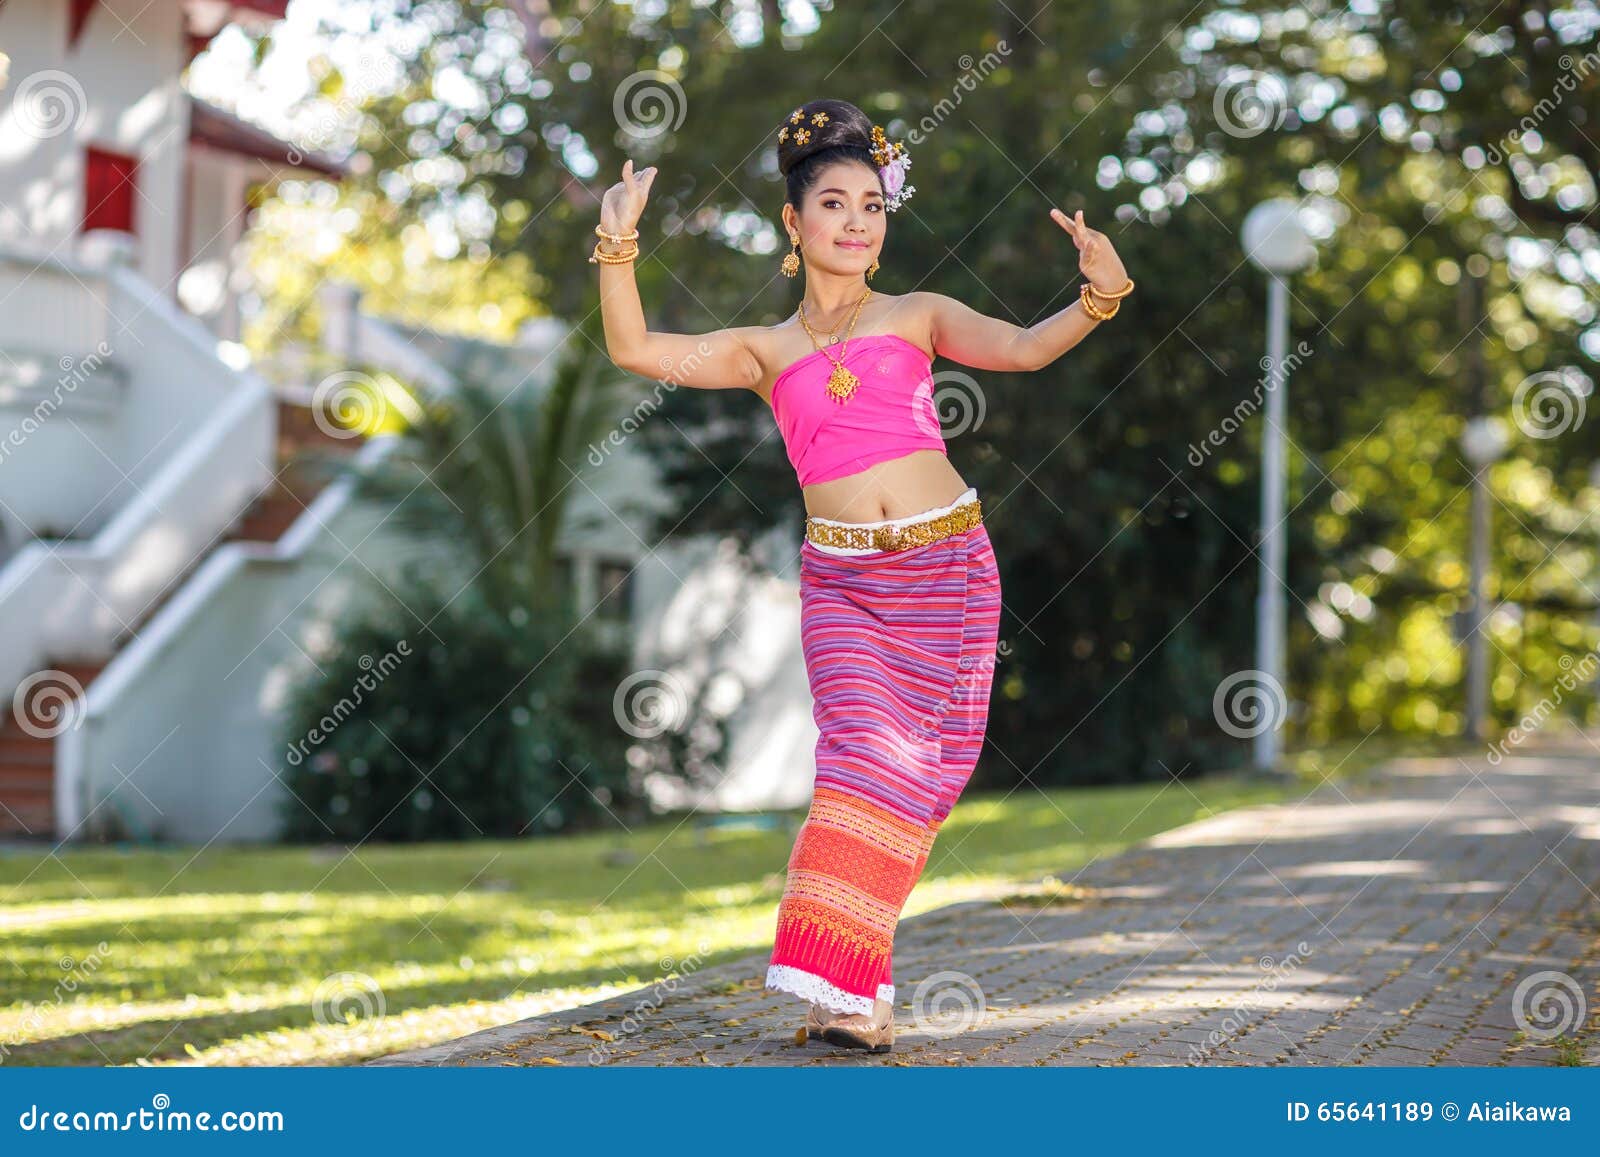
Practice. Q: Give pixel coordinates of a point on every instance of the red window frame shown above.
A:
(110, 189)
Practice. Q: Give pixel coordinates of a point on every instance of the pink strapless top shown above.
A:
(890, 414)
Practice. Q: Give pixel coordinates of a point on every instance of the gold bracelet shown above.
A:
(601, 257)
(1095, 311)
(615, 238)
(1110, 296)
(1099, 313)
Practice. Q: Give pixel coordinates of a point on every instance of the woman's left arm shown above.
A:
(964, 335)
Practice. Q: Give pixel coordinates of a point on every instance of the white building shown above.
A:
(162, 574)
(97, 132)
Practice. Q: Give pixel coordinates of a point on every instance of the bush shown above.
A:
(492, 728)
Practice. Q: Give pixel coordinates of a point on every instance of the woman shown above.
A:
(900, 595)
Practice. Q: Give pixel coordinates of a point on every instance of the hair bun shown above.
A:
(818, 125)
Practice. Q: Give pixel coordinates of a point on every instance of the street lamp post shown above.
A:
(1276, 242)
(1483, 440)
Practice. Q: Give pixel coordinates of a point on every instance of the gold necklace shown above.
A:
(841, 382)
(833, 334)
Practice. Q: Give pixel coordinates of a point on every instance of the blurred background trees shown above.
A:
(1443, 150)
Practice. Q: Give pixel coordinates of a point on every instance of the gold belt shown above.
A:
(963, 517)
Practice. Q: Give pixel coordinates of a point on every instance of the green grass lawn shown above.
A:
(233, 956)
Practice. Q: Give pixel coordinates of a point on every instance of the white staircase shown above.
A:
(131, 453)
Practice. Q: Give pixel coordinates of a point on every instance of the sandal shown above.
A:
(817, 1019)
(873, 1036)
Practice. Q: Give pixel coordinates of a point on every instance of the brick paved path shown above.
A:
(1389, 924)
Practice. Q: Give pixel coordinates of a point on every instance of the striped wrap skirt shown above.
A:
(899, 649)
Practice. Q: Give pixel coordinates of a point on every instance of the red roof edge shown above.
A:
(212, 127)
(275, 8)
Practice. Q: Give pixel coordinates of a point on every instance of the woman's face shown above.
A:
(841, 225)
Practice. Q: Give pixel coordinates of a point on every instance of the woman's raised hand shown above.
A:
(623, 203)
(1097, 260)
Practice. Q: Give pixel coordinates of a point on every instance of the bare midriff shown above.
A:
(897, 488)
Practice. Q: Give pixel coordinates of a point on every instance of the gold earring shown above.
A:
(873, 269)
(791, 263)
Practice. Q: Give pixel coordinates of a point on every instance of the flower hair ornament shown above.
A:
(890, 157)
(893, 162)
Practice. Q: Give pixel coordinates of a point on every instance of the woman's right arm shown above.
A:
(720, 360)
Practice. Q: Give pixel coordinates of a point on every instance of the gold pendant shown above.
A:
(842, 383)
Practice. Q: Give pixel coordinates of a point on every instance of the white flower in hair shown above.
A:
(893, 162)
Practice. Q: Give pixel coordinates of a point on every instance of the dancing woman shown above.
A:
(899, 591)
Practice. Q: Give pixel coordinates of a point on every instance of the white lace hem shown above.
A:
(799, 982)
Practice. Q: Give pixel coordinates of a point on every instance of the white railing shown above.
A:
(197, 441)
(52, 300)
(198, 692)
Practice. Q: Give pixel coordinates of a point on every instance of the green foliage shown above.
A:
(1129, 571)
(482, 728)
(475, 698)
(1453, 146)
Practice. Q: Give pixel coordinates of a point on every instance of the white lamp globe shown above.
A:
(1275, 238)
(1484, 439)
